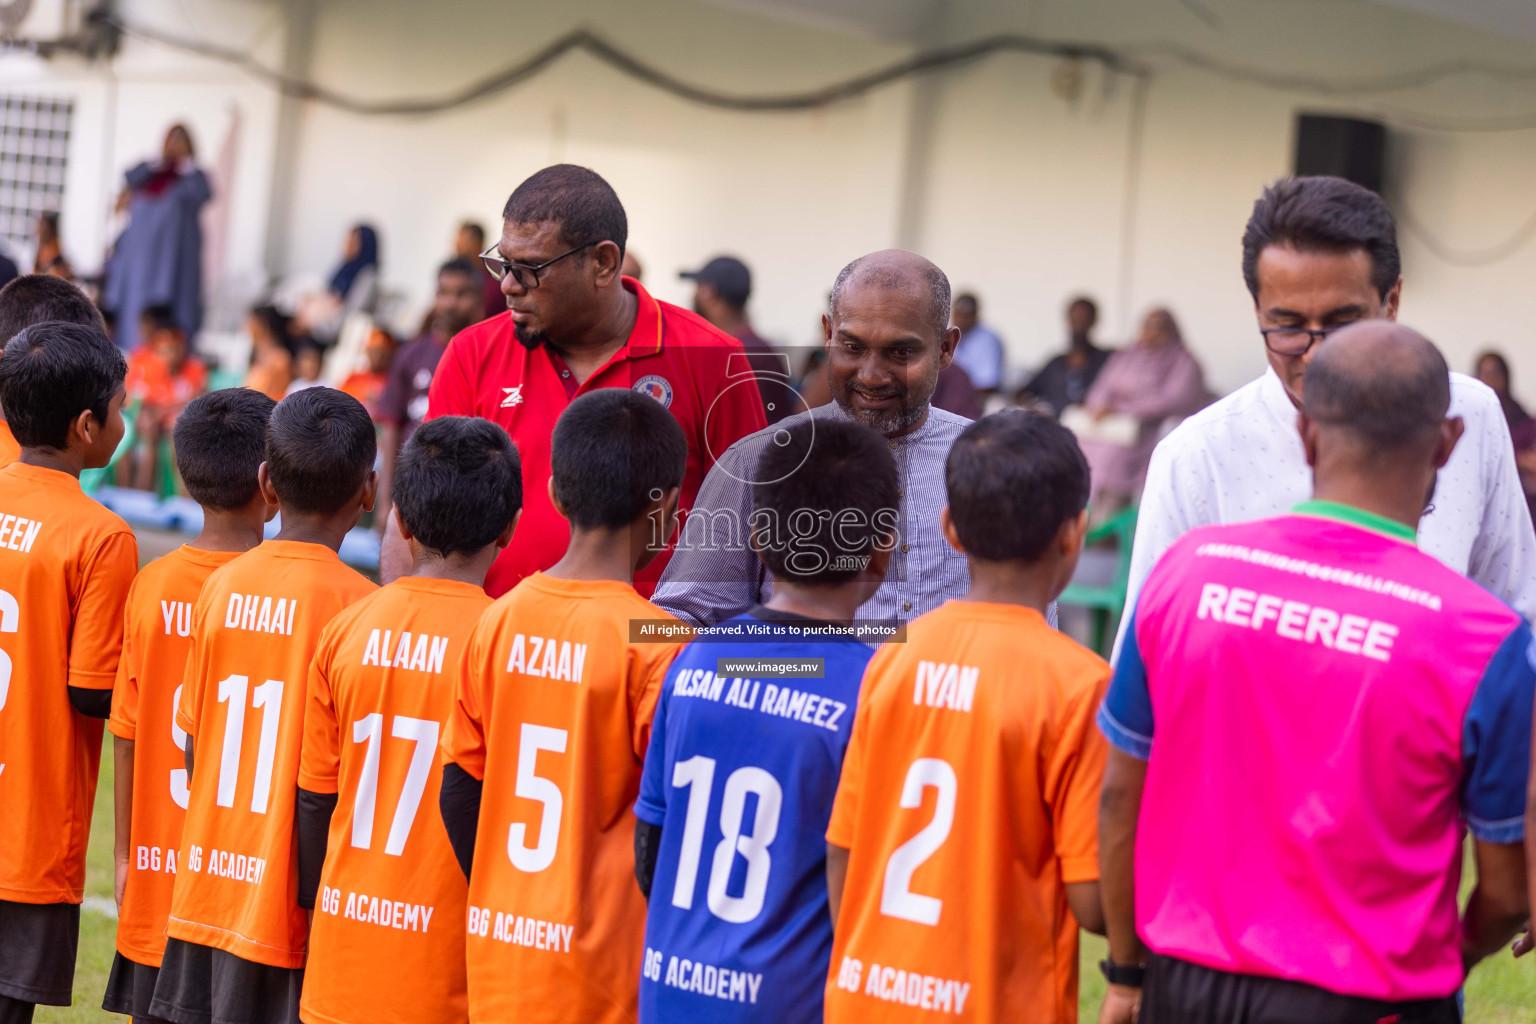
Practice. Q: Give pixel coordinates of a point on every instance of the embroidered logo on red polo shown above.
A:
(655, 387)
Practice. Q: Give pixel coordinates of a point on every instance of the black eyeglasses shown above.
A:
(525, 274)
(1295, 341)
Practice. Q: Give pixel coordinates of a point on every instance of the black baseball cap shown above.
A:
(729, 276)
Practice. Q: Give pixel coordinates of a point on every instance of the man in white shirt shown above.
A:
(1319, 254)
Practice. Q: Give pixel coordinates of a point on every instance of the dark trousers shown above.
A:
(1179, 992)
(14, 1011)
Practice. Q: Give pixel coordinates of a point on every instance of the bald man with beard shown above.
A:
(1306, 713)
(887, 337)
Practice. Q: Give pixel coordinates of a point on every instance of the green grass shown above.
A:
(1501, 990)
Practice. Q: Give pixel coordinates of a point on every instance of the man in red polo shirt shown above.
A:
(574, 324)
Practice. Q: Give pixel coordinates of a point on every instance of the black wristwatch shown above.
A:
(1121, 974)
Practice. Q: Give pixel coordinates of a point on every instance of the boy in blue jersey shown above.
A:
(741, 771)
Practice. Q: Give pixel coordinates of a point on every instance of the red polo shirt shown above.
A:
(672, 355)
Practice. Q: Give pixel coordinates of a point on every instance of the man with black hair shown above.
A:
(389, 662)
(980, 352)
(554, 709)
(32, 299)
(1337, 708)
(403, 405)
(220, 444)
(824, 522)
(468, 243)
(992, 709)
(65, 567)
(1318, 255)
(575, 325)
(1066, 378)
(236, 935)
(888, 337)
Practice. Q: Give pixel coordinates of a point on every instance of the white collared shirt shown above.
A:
(1242, 459)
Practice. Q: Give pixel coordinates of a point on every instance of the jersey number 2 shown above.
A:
(896, 896)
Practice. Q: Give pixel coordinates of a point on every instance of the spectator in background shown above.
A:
(981, 353)
(353, 288)
(722, 288)
(955, 393)
(158, 259)
(468, 244)
(163, 376)
(631, 267)
(307, 364)
(1493, 370)
(1065, 380)
(49, 258)
(8, 270)
(367, 384)
(403, 405)
(1143, 386)
(271, 352)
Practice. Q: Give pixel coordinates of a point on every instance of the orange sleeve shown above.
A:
(648, 672)
(320, 753)
(845, 806)
(124, 720)
(1074, 775)
(464, 733)
(96, 639)
(192, 679)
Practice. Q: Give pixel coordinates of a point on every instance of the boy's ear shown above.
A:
(506, 535)
(400, 527)
(880, 558)
(952, 535)
(370, 490)
(268, 492)
(554, 499)
(1072, 534)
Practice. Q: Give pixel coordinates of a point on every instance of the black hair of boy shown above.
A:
(320, 450)
(52, 372)
(458, 484)
(35, 298)
(1013, 479)
(156, 318)
(826, 494)
(221, 441)
(614, 452)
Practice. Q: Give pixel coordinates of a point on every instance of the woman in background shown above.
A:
(353, 288)
(1146, 384)
(158, 259)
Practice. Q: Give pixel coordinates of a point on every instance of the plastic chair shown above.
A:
(1107, 600)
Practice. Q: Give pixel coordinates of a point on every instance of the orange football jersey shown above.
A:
(66, 564)
(969, 800)
(157, 637)
(391, 893)
(254, 631)
(10, 451)
(553, 712)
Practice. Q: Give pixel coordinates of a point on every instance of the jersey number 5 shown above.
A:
(896, 896)
(531, 786)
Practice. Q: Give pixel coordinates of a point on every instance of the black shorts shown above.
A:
(130, 987)
(202, 985)
(38, 943)
(1179, 992)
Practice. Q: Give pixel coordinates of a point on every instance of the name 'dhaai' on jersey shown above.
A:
(419, 651)
(547, 658)
(261, 614)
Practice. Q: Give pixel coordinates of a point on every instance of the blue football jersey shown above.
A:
(740, 776)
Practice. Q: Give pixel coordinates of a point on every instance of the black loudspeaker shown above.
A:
(1342, 147)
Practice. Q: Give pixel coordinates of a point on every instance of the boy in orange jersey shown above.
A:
(65, 567)
(221, 439)
(32, 299)
(380, 690)
(962, 850)
(553, 715)
(235, 939)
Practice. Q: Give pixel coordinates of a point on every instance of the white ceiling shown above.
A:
(1504, 17)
